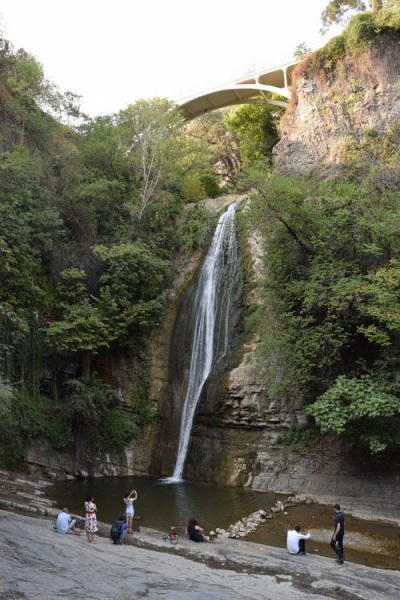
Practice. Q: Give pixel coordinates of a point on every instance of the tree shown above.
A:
(339, 11)
(150, 133)
(132, 288)
(256, 127)
(301, 51)
(82, 327)
(221, 142)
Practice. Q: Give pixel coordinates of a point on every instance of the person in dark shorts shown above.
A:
(338, 533)
(195, 532)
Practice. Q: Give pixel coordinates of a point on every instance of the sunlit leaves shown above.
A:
(359, 408)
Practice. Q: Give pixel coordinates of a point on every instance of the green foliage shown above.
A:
(331, 302)
(26, 416)
(192, 188)
(20, 421)
(211, 186)
(301, 51)
(99, 423)
(59, 431)
(197, 229)
(89, 229)
(256, 127)
(81, 329)
(132, 287)
(253, 318)
(88, 400)
(301, 439)
(361, 410)
(144, 412)
(360, 31)
(379, 301)
(219, 145)
(197, 186)
(150, 137)
(374, 159)
(115, 431)
(338, 11)
(389, 15)
(6, 395)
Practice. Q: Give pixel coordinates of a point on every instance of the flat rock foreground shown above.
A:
(37, 563)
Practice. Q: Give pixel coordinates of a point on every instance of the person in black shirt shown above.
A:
(338, 533)
(195, 532)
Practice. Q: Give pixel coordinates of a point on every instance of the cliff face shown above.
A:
(326, 112)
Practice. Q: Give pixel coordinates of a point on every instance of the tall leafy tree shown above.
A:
(150, 133)
(339, 11)
(82, 328)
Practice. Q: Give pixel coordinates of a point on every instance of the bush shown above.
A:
(197, 229)
(11, 443)
(116, 430)
(359, 409)
(360, 31)
(59, 432)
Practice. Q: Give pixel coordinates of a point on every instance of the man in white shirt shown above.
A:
(65, 523)
(295, 541)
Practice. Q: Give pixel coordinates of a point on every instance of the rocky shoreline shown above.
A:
(229, 568)
(36, 562)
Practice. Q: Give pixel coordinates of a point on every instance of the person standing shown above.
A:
(91, 519)
(296, 541)
(129, 499)
(338, 533)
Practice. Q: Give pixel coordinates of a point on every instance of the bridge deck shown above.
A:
(254, 88)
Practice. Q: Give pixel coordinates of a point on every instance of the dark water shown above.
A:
(161, 505)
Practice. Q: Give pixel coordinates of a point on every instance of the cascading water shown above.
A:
(212, 307)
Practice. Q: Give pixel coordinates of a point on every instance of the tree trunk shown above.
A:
(86, 356)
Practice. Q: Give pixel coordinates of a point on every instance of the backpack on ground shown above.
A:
(115, 530)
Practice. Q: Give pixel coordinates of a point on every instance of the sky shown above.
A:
(114, 53)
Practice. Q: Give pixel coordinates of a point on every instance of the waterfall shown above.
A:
(212, 310)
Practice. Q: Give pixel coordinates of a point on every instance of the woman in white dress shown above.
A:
(129, 499)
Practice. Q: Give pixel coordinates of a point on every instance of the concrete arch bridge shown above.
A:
(255, 88)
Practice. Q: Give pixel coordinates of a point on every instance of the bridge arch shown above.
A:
(255, 88)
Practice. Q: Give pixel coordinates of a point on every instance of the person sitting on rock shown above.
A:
(296, 541)
(194, 532)
(119, 530)
(65, 523)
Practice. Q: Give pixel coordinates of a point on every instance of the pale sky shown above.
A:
(116, 52)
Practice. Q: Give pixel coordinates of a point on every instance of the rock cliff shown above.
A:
(327, 110)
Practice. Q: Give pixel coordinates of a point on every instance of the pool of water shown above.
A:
(162, 504)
